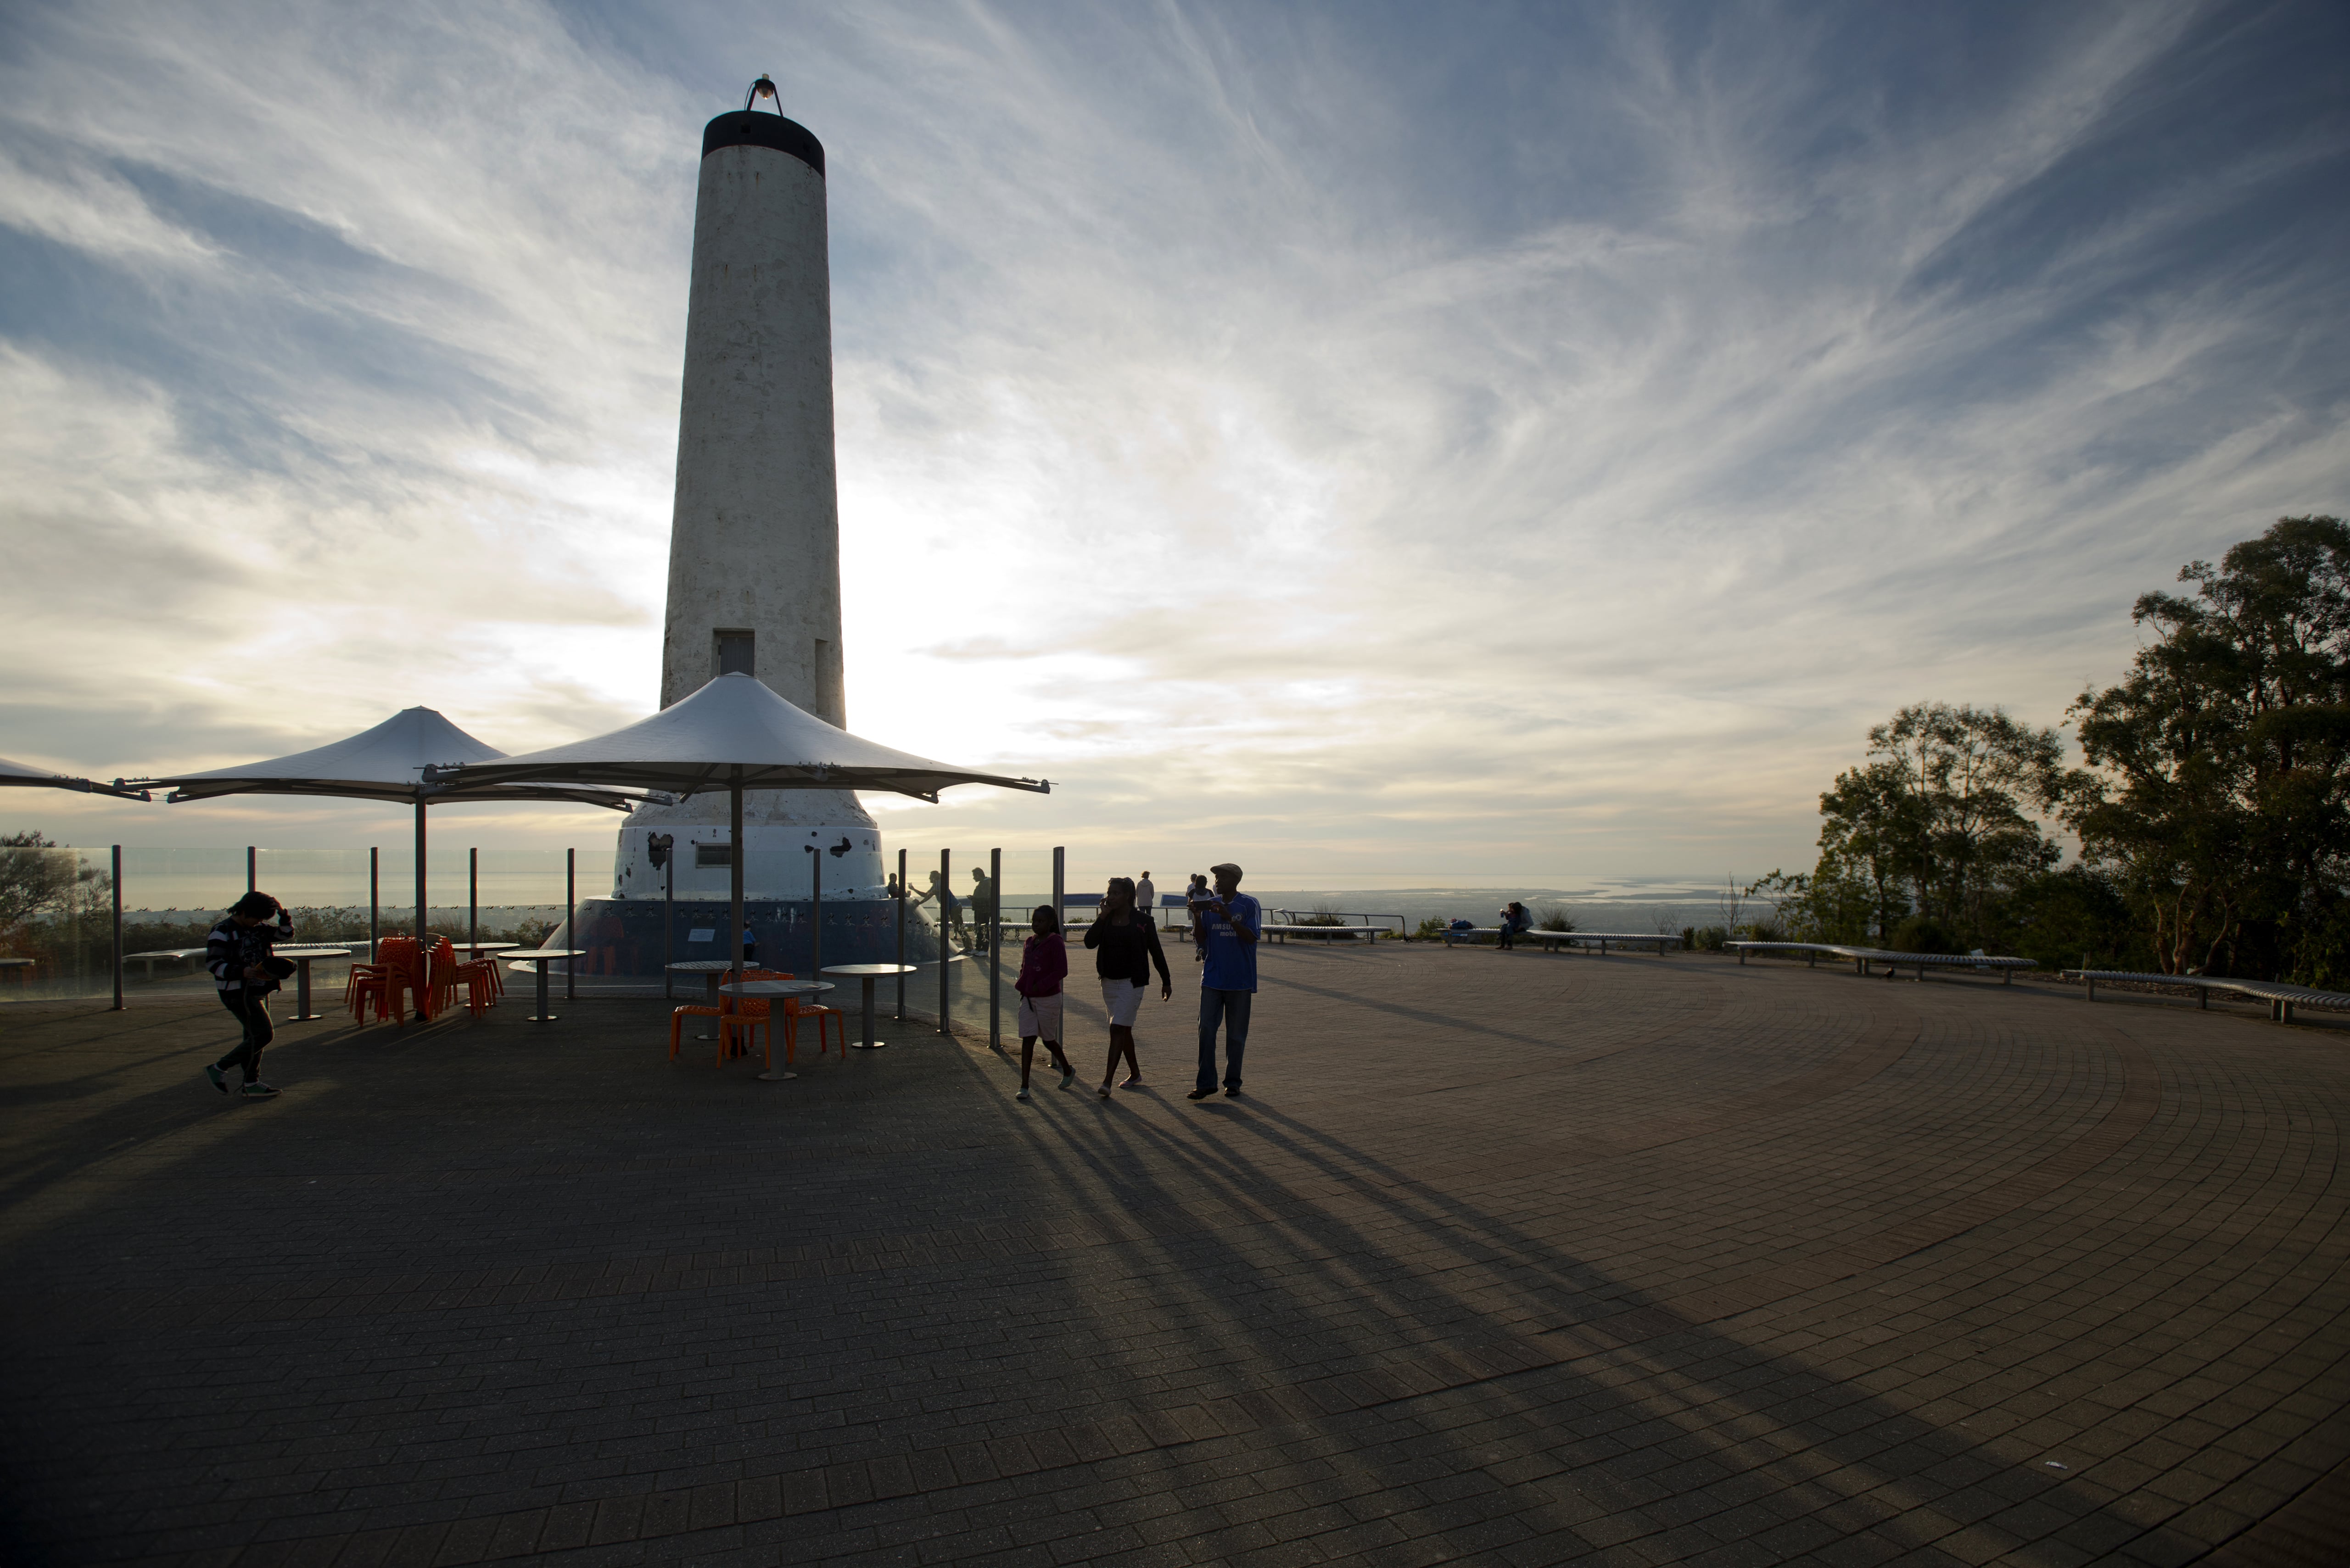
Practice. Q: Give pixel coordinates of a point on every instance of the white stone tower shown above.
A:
(754, 538)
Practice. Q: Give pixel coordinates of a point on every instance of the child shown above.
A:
(1194, 896)
(1044, 965)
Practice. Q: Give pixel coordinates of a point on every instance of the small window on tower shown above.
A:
(733, 648)
(706, 854)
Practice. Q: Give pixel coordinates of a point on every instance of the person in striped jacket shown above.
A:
(238, 952)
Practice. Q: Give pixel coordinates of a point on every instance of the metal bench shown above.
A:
(162, 954)
(1281, 930)
(1558, 941)
(1554, 941)
(1862, 958)
(2282, 998)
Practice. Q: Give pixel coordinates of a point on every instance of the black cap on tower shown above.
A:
(745, 129)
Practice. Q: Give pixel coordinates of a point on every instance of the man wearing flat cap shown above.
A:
(1230, 924)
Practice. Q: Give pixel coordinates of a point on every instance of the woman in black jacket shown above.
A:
(1125, 944)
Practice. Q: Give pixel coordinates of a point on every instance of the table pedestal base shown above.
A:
(302, 1013)
(775, 1077)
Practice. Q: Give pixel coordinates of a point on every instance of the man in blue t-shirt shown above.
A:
(1230, 924)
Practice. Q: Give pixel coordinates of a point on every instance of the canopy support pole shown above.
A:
(424, 939)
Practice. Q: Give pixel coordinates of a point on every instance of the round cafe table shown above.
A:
(302, 957)
(709, 970)
(868, 973)
(772, 990)
(478, 948)
(539, 959)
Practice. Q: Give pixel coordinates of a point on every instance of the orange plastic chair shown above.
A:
(751, 1015)
(395, 978)
(476, 978)
(796, 1009)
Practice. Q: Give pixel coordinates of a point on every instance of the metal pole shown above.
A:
(1060, 866)
(249, 859)
(117, 928)
(375, 928)
(815, 911)
(735, 853)
(946, 891)
(570, 932)
(995, 953)
(424, 938)
(902, 934)
(472, 895)
(668, 915)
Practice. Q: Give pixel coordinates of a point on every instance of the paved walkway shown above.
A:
(1503, 1257)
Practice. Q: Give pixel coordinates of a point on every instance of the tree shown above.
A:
(1871, 839)
(2219, 779)
(1935, 823)
(35, 877)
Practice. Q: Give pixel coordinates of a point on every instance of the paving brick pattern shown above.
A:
(1503, 1257)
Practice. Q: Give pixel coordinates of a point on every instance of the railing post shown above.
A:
(474, 895)
(118, 927)
(250, 859)
(901, 935)
(570, 935)
(1060, 864)
(995, 953)
(946, 891)
(375, 925)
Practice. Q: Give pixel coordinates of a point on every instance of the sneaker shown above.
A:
(1133, 1083)
(1068, 1077)
(257, 1090)
(1199, 1094)
(219, 1079)
(1105, 1091)
(1232, 1090)
(1023, 1095)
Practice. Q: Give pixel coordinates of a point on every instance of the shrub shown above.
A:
(1553, 918)
(1921, 934)
(1431, 928)
(1707, 938)
(1322, 915)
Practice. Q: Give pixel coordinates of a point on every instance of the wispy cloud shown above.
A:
(1537, 444)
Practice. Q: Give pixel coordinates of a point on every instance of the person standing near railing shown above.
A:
(983, 908)
(1125, 947)
(1195, 898)
(1145, 898)
(1229, 926)
(246, 972)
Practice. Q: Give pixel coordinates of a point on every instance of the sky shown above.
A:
(1385, 444)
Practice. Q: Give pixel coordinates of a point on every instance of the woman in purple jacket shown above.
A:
(1044, 965)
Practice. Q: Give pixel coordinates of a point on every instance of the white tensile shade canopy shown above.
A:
(19, 776)
(389, 761)
(737, 734)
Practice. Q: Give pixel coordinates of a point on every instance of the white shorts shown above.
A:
(1124, 999)
(1041, 1016)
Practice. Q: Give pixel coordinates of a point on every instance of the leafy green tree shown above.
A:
(36, 878)
(1935, 826)
(2218, 788)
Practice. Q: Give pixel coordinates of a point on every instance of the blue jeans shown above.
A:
(1231, 1008)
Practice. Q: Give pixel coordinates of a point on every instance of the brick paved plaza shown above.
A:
(1505, 1258)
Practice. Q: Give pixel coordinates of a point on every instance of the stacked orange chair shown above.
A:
(386, 983)
(477, 978)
